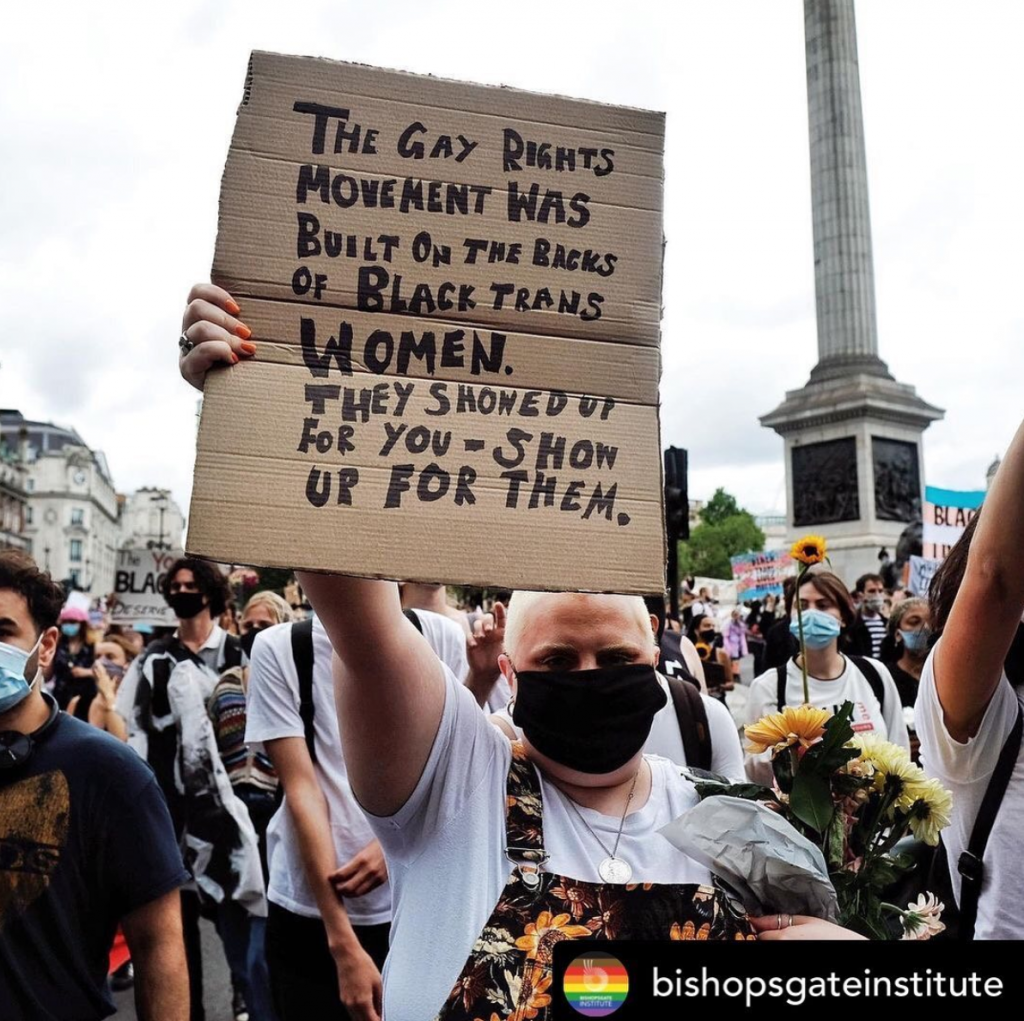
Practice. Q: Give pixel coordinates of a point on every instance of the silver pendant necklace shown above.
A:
(612, 869)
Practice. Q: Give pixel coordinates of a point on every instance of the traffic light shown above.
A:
(677, 503)
(677, 518)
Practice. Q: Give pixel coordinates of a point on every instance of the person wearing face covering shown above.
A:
(870, 630)
(86, 840)
(495, 848)
(498, 848)
(834, 674)
(970, 708)
(195, 655)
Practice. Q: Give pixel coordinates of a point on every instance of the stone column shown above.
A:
(844, 276)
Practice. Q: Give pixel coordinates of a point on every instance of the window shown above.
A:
(30, 485)
(77, 516)
(28, 515)
(74, 578)
(76, 551)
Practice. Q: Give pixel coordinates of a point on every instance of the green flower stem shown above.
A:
(886, 906)
(800, 627)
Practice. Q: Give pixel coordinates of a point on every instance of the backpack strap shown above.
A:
(693, 722)
(872, 676)
(232, 652)
(970, 864)
(414, 619)
(302, 656)
(783, 675)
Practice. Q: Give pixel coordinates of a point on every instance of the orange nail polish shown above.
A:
(243, 331)
(248, 347)
(234, 358)
(232, 306)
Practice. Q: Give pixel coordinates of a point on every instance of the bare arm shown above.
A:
(990, 603)
(102, 713)
(358, 978)
(692, 660)
(388, 683)
(154, 936)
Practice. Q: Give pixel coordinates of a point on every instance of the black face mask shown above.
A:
(248, 639)
(593, 721)
(186, 605)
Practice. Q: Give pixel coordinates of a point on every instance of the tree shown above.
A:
(725, 531)
(721, 506)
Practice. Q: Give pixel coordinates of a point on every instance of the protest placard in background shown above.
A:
(947, 512)
(137, 583)
(456, 295)
(920, 572)
(759, 575)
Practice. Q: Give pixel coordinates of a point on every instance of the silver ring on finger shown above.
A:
(778, 921)
(184, 343)
(789, 923)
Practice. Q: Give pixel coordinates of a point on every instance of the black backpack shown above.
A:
(693, 722)
(865, 666)
(302, 656)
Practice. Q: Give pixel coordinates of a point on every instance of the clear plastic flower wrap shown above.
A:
(757, 856)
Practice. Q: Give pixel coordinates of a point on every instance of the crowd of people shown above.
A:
(388, 780)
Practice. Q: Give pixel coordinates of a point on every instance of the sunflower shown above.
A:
(801, 725)
(811, 549)
(932, 811)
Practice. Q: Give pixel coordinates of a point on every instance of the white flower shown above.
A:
(922, 918)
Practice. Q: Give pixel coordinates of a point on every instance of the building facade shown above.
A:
(71, 520)
(150, 519)
(13, 496)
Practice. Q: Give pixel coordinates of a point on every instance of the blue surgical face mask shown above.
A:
(916, 641)
(71, 629)
(820, 629)
(15, 687)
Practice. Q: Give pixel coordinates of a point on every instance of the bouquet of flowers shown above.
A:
(853, 796)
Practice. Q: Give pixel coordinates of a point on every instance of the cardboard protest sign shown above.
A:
(137, 582)
(456, 295)
(947, 512)
(759, 575)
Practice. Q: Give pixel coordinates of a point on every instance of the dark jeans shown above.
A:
(193, 953)
(303, 978)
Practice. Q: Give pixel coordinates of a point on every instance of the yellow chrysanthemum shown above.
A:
(932, 811)
(811, 549)
(794, 725)
(883, 756)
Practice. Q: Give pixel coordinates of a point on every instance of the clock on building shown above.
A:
(79, 477)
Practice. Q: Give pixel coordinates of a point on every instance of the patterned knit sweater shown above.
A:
(227, 713)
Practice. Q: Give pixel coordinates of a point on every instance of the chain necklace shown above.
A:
(612, 869)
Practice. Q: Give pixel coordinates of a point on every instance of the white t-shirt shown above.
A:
(273, 712)
(666, 740)
(850, 686)
(445, 851)
(965, 768)
(447, 639)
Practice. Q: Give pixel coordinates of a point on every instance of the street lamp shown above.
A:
(47, 552)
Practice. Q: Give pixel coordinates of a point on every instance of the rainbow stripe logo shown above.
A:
(596, 985)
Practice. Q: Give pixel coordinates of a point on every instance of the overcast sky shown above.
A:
(115, 120)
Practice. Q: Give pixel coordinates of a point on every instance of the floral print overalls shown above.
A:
(508, 975)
